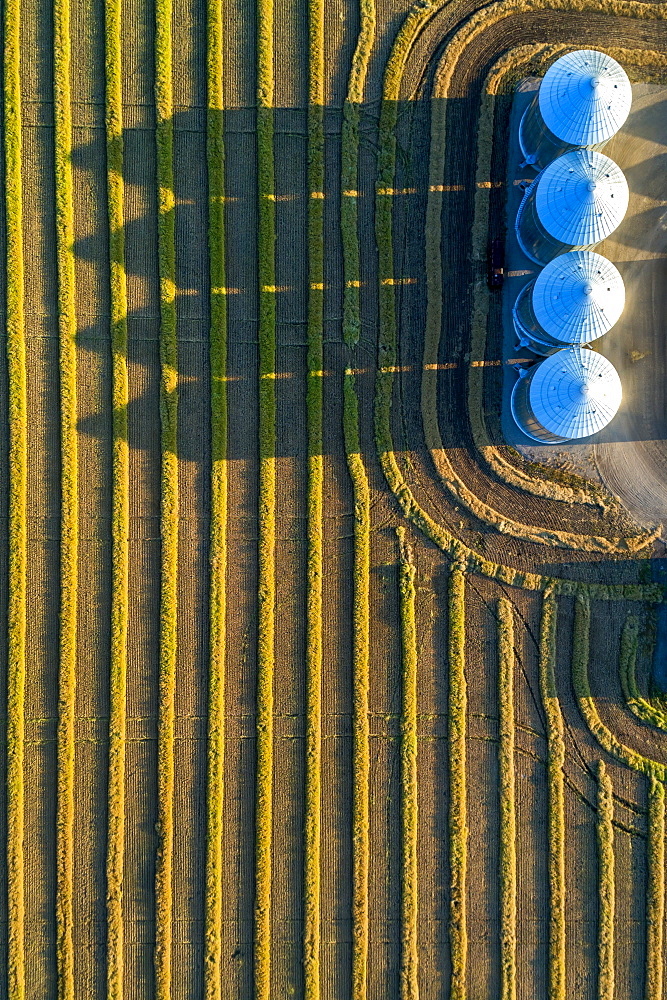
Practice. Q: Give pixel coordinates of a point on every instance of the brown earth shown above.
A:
(41, 698)
(194, 453)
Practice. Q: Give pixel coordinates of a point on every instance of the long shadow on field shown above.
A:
(193, 290)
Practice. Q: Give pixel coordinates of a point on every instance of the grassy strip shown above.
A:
(414, 22)
(655, 895)
(409, 986)
(18, 471)
(314, 419)
(458, 827)
(606, 885)
(349, 172)
(169, 498)
(605, 738)
(635, 701)
(555, 761)
(69, 531)
(215, 155)
(506, 744)
(120, 505)
(360, 686)
(267, 500)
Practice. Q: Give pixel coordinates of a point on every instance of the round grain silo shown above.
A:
(570, 395)
(583, 100)
(574, 300)
(575, 202)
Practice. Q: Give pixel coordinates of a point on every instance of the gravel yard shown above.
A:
(630, 455)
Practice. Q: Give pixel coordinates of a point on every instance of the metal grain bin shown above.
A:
(583, 100)
(576, 299)
(575, 202)
(570, 395)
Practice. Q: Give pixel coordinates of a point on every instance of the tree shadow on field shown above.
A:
(143, 282)
(193, 287)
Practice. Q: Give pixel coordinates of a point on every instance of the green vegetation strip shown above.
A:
(606, 885)
(69, 532)
(655, 895)
(350, 171)
(267, 500)
(215, 154)
(458, 826)
(360, 687)
(587, 707)
(555, 780)
(314, 419)
(455, 548)
(169, 499)
(635, 701)
(18, 473)
(409, 986)
(506, 747)
(120, 506)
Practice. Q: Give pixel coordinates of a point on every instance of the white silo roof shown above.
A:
(585, 97)
(575, 392)
(581, 197)
(578, 296)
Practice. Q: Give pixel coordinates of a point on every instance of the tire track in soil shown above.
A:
(194, 491)
(531, 805)
(337, 594)
(432, 770)
(140, 201)
(384, 705)
(13, 458)
(483, 905)
(338, 569)
(290, 146)
(581, 887)
(290, 38)
(242, 566)
(94, 450)
(336, 900)
(43, 499)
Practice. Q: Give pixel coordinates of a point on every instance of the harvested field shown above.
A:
(311, 686)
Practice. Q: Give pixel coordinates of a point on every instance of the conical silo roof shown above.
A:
(578, 297)
(585, 97)
(581, 197)
(575, 393)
